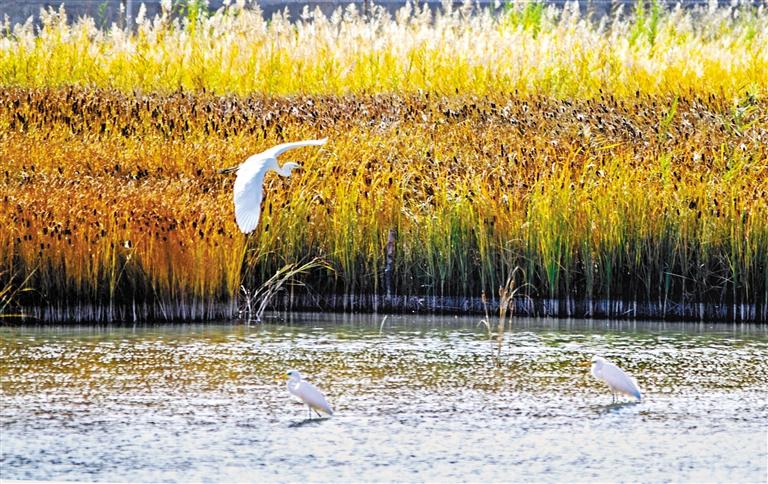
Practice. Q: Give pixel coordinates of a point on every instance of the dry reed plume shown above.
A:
(533, 50)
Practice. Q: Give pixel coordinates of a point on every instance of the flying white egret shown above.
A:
(307, 393)
(249, 184)
(615, 377)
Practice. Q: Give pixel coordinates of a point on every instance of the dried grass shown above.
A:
(117, 198)
(623, 158)
(533, 50)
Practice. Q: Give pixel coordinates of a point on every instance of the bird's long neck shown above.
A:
(293, 383)
(281, 170)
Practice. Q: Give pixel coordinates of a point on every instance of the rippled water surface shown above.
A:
(415, 399)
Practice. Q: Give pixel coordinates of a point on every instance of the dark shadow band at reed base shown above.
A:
(520, 306)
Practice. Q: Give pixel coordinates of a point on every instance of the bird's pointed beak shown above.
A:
(585, 363)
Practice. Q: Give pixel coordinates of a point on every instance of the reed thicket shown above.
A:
(112, 197)
(621, 159)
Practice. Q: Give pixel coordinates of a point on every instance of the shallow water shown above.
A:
(416, 398)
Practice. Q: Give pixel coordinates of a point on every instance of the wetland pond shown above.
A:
(416, 399)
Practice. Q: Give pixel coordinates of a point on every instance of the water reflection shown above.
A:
(415, 399)
(617, 407)
(307, 421)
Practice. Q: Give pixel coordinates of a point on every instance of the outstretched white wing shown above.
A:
(249, 190)
(275, 151)
(249, 184)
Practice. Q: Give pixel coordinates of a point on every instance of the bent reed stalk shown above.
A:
(623, 160)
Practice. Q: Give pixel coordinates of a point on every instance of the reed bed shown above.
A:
(532, 50)
(114, 199)
(574, 159)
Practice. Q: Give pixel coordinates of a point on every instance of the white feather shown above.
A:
(276, 151)
(307, 393)
(615, 377)
(249, 184)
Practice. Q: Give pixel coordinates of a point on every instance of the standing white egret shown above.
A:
(249, 184)
(615, 377)
(307, 393)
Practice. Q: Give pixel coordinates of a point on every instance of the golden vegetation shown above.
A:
(115, 198)
(533, 50)
(614, 158)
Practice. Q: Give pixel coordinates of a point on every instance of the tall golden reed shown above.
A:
(623, 159)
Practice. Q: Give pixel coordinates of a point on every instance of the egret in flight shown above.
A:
(307, 393)
(618, 381)
(249, 184)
